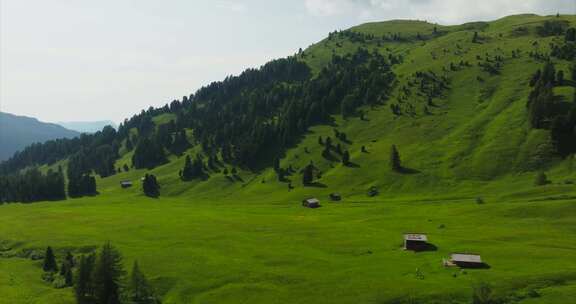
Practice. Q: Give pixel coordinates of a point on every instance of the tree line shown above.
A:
(99, 277)
(547, 111)
(246, 120)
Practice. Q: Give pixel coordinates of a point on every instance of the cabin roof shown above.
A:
(312, 200)
(415, 237)
(466, 257)
(126, 182)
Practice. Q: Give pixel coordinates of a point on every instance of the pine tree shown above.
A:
(150, 186)
(346, 158)
(139, 291)
(541, 179)
(129, 145)
(107, 275)
(475, 37)
(308, 174)
(83, 286)
(188, 170)
(49, 264)
(66, 273)
(395, 163)
(482, 294)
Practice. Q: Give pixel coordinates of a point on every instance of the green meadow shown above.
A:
(249, 240)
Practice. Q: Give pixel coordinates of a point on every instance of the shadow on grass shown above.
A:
(352, 165)
(316, 185)
(408, 171)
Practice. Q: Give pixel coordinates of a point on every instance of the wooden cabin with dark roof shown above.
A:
(415, 241)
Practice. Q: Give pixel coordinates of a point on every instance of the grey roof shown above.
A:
(466, 257)
(415, 237)
(126, 182)
(312, 200)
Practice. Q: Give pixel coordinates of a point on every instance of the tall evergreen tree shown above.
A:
(49, 263)
(150, 186)
(395, 163)
(180, 143)
(308, 174)
(346, 158)
(84, 285)
(107, 276)
(188, 170)
(139, 291)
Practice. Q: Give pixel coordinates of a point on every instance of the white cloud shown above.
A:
(443, 11)
(231, 6)
(329, 7)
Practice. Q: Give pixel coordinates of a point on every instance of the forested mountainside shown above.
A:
(470, 102)
(18, 132)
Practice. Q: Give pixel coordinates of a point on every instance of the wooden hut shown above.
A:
(126, 184)
(415, 241)
(335, 197)
(311, 203)
(466, 260)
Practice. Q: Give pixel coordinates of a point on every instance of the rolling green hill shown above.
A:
(457, 108)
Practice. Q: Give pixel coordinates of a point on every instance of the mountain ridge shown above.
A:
(18, 132)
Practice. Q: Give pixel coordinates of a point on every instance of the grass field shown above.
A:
(249, 240)
(271, 250)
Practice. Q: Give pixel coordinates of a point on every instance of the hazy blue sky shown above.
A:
(63, 60)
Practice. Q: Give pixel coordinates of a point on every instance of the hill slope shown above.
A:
(18, 132)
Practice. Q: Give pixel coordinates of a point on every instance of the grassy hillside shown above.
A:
(247, 239)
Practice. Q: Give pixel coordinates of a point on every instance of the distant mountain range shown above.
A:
(17, 132)
(87, 126)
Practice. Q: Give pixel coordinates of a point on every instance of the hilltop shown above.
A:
(476, 112)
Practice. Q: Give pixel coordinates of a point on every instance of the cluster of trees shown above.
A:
(101, 278)
(191, 169)
(246, 120)
(359, 37)
(330, 146)
(98, 151)
(32, 186)
(256, 121)
(309, 174)
(80, 179)
(148, 154)
(547, 111)
(567, 49)
(154, 141)
(59, 277)
(552, 28)
(150, 186)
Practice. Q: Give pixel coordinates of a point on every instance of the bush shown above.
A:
(541, 179)
(59, 282)
(48, 276)
(479, 200)
(482, 294)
